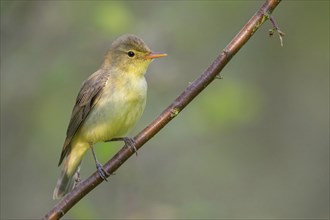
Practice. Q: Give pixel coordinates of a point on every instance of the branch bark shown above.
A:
(211, 73)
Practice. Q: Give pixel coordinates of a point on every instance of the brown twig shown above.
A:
(170, 112)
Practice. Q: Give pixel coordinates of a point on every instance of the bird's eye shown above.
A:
(131, 53)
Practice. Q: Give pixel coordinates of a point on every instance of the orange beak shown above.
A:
(154, 55)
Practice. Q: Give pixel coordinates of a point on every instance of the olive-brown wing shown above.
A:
(88, 96)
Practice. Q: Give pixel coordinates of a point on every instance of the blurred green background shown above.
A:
(253, 145)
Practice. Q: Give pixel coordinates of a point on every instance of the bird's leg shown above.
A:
(129, 142)
(103, 173)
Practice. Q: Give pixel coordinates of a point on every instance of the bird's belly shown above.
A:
(112, 116)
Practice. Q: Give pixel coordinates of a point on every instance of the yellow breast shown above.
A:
(119, 108)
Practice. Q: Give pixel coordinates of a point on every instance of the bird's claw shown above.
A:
(131, 144)
(102, 172)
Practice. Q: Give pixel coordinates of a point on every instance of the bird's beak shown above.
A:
(154, 55)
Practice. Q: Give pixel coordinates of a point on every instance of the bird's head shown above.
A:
(129, 54)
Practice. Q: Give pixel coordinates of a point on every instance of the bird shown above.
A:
(108, 105)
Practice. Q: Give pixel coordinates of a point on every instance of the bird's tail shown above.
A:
(69, 173)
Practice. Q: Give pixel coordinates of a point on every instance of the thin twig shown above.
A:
(170, 112)
(276, 28)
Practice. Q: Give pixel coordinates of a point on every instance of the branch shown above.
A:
(211, 73)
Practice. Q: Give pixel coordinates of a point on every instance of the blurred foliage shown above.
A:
(253, 145)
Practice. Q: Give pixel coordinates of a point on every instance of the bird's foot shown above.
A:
(102, 172)
(129, 142)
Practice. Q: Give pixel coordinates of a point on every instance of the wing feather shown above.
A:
(87, 97)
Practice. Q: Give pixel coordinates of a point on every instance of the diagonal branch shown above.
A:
(211, 73)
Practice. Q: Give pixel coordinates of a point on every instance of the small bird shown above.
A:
(109, 103)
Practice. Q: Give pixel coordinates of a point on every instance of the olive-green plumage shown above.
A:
(109, 103)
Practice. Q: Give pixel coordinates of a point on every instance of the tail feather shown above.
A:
(71, 163)
(65, 183)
